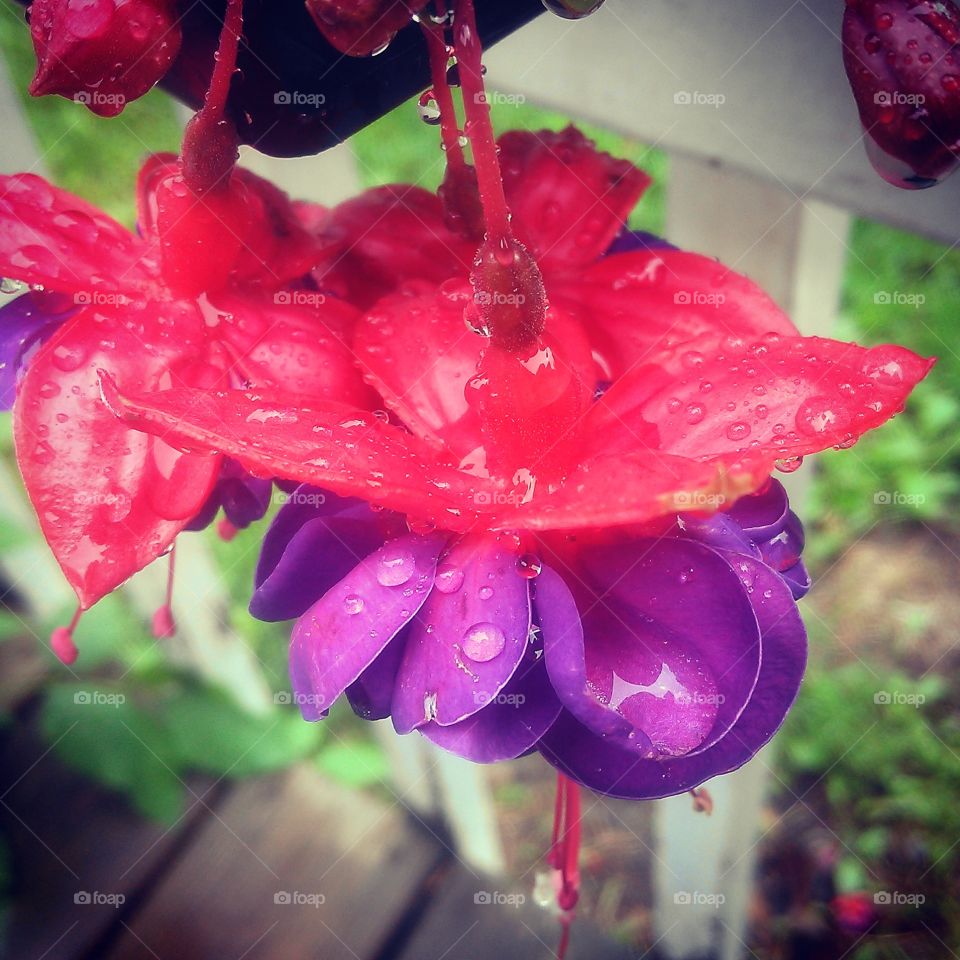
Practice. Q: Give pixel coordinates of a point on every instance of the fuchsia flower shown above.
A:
(202, 297)
(536, 568)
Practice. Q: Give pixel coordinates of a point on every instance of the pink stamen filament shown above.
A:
(564, 854)
(478, 127)
(61, 640)
(164, 626)
(437, 50)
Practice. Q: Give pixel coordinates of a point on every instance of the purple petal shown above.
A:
(508, 726)
(371, 694)
(25, 323)
(630, 240)
(344, 631)
(719, 531)
(762, 514)
(797, 579)
(670, 642)
(468, 638)
(315, 540)
(782, 551)
(609, 769)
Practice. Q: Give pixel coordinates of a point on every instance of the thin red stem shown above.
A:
(225, 62)
(437, 50)
(478, 127)
(170, 572)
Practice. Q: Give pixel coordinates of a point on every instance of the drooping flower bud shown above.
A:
(903, 61)
(102, 53)
(361, 27)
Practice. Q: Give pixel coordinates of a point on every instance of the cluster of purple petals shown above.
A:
(25, 323)
(640, 665)
(243, 498)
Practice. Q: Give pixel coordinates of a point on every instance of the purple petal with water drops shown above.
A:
(564, 656)
(719, 531)
(630, 240)
(468, 638)
(672, 642)
(346, 630)
(603, 766)
(782, 550)
(315, 540)
(25, 323)
(508, 726)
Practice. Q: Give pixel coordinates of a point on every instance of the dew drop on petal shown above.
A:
(353, 605)
(739, 430)
(695, 412)
(789, 464)
(483, 641)
(529, 566)
(395, 568)
(449, 578)
(485, 593)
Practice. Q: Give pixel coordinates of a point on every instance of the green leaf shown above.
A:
(357, 763)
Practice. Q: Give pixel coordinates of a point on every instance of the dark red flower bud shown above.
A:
(102, 53)
(903, 61)
(361, 27)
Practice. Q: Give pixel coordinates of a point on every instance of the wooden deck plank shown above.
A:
(292, 866)
(473, 917)
(70, 841)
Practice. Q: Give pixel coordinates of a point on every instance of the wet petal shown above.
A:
(611, 770)
(469, 637)
(52, 238)
(569, 200)
(347, 628)
(315, 540)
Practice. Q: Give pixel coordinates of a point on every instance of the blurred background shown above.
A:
(860, 823)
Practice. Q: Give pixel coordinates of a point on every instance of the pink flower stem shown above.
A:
(437, 50)
(478, 128)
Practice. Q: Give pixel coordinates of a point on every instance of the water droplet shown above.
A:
(485, 593)
(820, 415)
(428, 109)
(68, 358)
(573, 9)
(9, 286)
(449, 578)
(529, 566)
(353, 605)
(739, 430)
(789, 464)
(395, 568)
(483, 641)
(695, 413)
